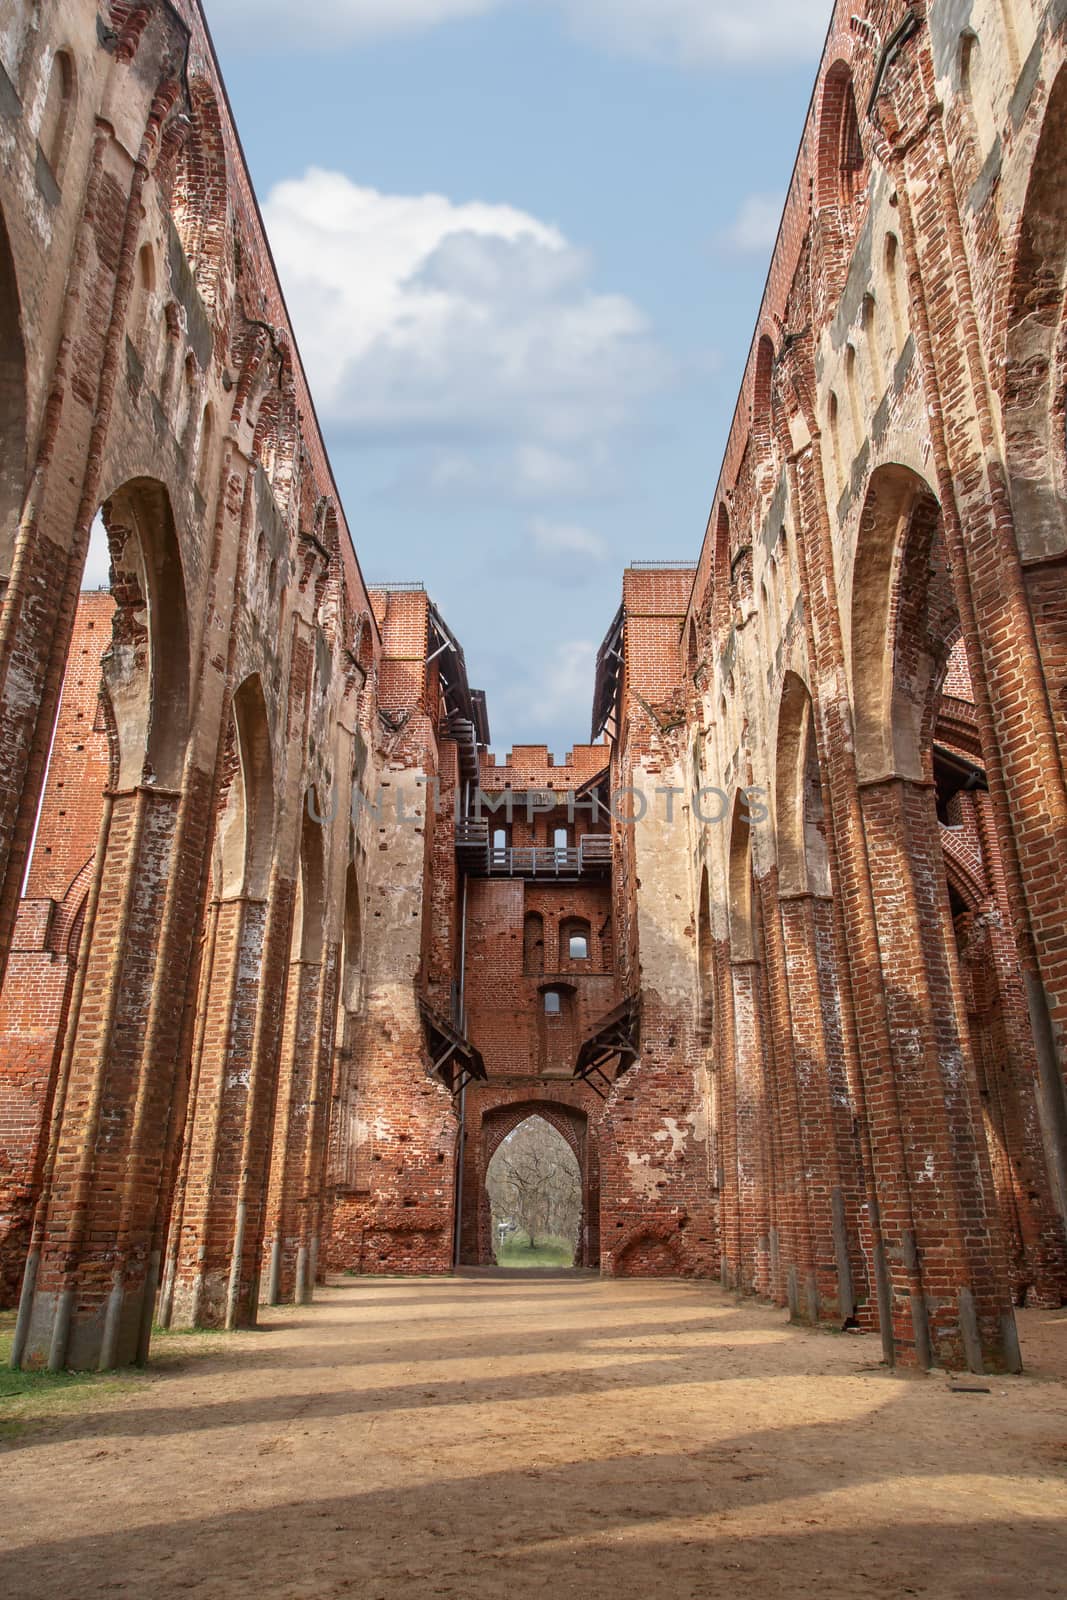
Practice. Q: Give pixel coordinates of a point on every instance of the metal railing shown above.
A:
(593, 853)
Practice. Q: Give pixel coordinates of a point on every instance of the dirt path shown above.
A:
(508, 1438)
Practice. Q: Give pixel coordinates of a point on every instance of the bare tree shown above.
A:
(534, 1183)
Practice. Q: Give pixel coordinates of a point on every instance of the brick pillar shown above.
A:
(313, 1193)
(33, 1010)
(1014, 1077)
(204, 1221)
(91, 1277)
(297, 1077)
(853, 1240)
(956, 1256)
(819, 1131)
(1009, 617)
(750, 1118)
(729, 1192)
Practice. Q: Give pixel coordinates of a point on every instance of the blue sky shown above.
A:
(523, 244)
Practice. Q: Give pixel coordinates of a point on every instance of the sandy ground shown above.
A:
(510, 1437)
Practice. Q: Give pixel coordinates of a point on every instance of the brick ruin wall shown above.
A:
(839, 898)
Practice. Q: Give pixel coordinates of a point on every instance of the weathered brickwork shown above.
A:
(874, 641)
(781, 953)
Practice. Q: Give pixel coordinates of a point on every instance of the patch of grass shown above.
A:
(516, 1252)
(35, 1398)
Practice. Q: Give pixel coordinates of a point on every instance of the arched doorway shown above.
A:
(496, 1124)
(534, 1184)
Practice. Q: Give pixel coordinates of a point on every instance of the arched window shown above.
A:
(207, 449)
(533, 944)
(185, 412)
(761, 392)
(198, 192)
(353, 944)
(834, 423)
(141, 329)
(54, 135)
(897, 294)
(721, 576)
(574, 941)
(553, 1003)
(968, 60)
(705, 956)
(850, 160)
(874, 352)
(841, 160)
(854, 404)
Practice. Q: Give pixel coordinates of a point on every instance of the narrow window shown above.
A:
(835, 442)
(967, 59)
(55, 123)
(579, 947)
(894, 275)
(870, 338)
(855, 408)
(207, 442)
(141, 323)
(553, 1005)
(185, 421)
(850, 164)
(533, 941)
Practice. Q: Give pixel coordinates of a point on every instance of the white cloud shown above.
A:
(563, 681)
(567, 540)
(700, 33)
(689, 32)
(755, 227)
(459, 325)
(333, 22)
(523, 474)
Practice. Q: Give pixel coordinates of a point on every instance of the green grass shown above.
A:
(35, 1398)
(516, 1252)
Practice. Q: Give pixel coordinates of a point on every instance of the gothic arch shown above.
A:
(352, 951)
(803, 865)
(742, 909)
(12, 407)
(705, 958)
(840, 154)
(721, 608)
(567, 1120)
(311, 886)
(961, 874)
(1035, 381)
(762, 426)
(145, 668)
(903, 622)
(199, 191)
(246, 828)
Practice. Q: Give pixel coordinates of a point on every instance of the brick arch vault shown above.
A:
(493, 1120)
